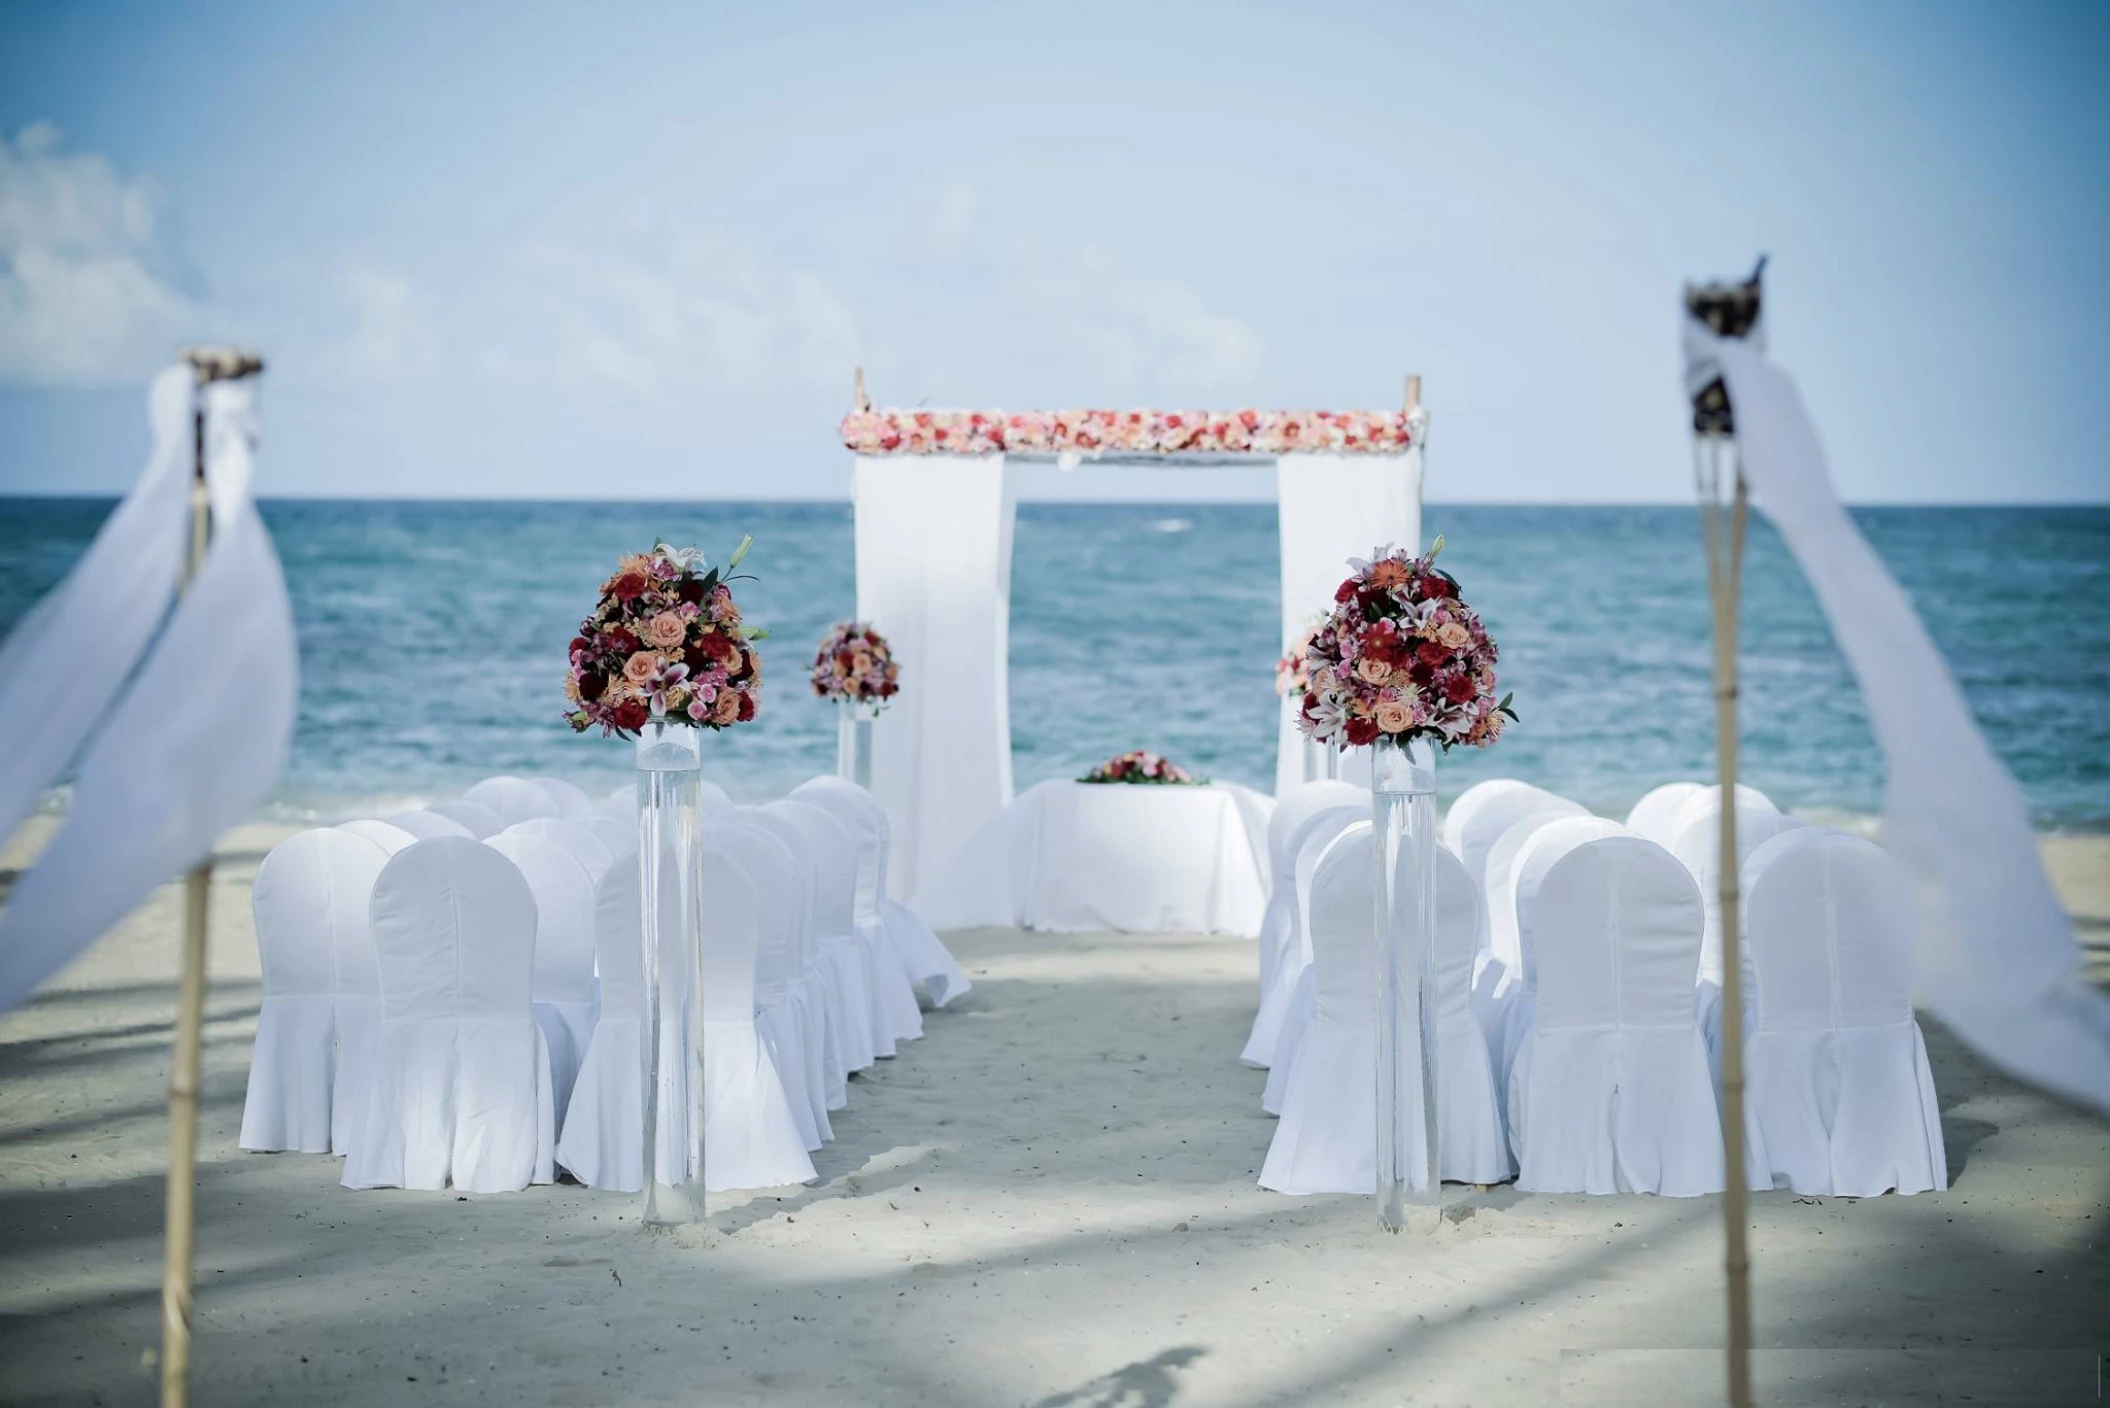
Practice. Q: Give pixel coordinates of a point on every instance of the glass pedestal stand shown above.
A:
(853, 741)
(670, 909)
(1403, 807)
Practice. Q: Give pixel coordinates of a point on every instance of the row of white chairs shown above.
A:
(1579, 992)
(454, 993)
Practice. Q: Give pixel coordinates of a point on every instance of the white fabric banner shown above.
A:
(1334, 507)
(934, 577)
(1997, 958)
(90, 631)
(198, 739)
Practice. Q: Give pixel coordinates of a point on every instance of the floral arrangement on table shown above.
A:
(1290, 677)
(665, 642)
(1143, 768)
(1087, 433)
(1402, 657)
(855, 664)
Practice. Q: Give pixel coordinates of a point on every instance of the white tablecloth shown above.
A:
(1139, 859)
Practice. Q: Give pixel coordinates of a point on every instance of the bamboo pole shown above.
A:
(208, 364)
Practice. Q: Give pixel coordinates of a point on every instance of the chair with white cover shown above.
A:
(1656, 814)
(512, 799)
(461, 1087)
(1498, 974)
(817, 983)
(920, 950)
(478, 820)
(620, 837)
(567, 999)
(896, 1016)
(576, 838)
(569, 799)
(1279, 938)
(1835, 1065)
(1708, 800)
(711, 799)
(751, 1138)
(1610, 1091)
(424, 823)
(619, 805)
(315, 1031)
(1474, 837)
(603, 1141)
(1698, 847)
(1287, 1012)
(1513, 1007)
(1471, 800)
(831, 858)
(389, 838)
(788, 1020)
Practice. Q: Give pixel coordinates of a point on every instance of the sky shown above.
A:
(635, 251)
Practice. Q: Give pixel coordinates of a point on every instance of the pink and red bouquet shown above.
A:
(1290, 677)
(1088, 433)
(665, 642)
(1147, 769)
(855, 663)
(1402, 657)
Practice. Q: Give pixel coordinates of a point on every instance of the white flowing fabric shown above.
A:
(934, 573)
(750, 1136)
(1997, 959)
(1611, 1092)
(389, 838)
(425, 825)
(1286, 1004)
(461, 1088)
(1839, 1080)
(897, 1012)
(478, 820)
(197, 740)
(1655, 816)
(93, 627)
(603, 1141)
(1140, 860)
(567, 999)
(1332, 507)
(315, 1031)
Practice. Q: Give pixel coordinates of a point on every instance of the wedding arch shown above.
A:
(935, 505)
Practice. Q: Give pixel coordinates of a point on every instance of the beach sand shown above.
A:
(1049, 1200)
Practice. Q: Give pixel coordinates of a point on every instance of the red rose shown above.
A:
(1361, 731)
(1423, 675)
(718, 647)
(578, 643)
(592, 684)
(620, 642)
(1432, 652)
(628, 586)
(743, 666)
(1344, 591)
(631, 714)
(1459, 689)
(1435, 588)
(747, 706)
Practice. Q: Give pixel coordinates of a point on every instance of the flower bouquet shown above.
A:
(664, 643)
(855, 665)
(1143, 769)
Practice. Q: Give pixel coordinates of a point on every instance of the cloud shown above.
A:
(395, 335)
(1130, 324)
(81, 303)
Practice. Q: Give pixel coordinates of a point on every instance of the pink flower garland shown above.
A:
(1088, 433)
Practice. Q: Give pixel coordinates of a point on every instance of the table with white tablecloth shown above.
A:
(1139, 859)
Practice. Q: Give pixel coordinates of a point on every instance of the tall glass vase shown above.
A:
(853, 741)
(670, 893)
(1403, 804)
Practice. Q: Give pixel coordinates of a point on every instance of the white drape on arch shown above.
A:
(1334, 507)
(934, 575)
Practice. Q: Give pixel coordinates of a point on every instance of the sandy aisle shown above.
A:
(1049, 1200)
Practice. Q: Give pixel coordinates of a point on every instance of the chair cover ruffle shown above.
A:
(1848, 1113)
(290, 1103)
(1629, 1110)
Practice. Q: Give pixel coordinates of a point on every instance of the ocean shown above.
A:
(432, 639)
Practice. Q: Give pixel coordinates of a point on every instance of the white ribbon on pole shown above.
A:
(200, 735)
(1997, 958)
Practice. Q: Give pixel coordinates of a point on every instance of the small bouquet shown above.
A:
(1290, 677)
(855, 664)
(1401, 657)
(1145, 769)
(665, 642)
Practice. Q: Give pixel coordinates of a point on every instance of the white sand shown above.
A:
(1049, 1200)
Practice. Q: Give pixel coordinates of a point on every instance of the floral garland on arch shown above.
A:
(856, 664)
(1090, 433)
(1140, 768)
(1402, 657)
(664, 642)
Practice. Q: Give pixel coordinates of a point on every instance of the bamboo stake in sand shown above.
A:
(208, 364)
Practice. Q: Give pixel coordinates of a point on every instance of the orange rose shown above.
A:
(666, 630)
(640, 668)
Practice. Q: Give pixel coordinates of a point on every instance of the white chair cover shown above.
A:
(711, 798)
(921, 952)
(1707, 801)
(1288, 1001)
(1291, 809)
(1610, 1092)
(389, 838)
(576, 839)
(790, 1025)
(750, 1137)
(1836, 1066)
(1473, 837)
(602, 1144)
(1657, 812)
(315, 1031)
(1698, 848)
(479, 821)
(818, 983)
(567, 998)
(512, 799)
(1513, 1002)
(832, 856)
(620, 805)
(426, 824)
(896, 1015)
(1473, 1140)
(1502, 967)
(620, 837)
(461, 1086)
(569, 799)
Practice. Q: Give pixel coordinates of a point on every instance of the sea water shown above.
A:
(433, 636)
